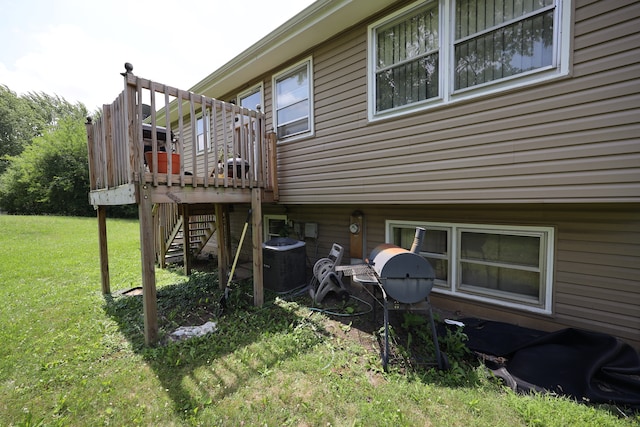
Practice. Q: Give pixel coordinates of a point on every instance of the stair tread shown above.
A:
(201, 225)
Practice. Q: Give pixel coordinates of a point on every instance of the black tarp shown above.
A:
(584, 365)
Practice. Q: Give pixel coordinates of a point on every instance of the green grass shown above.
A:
(70, 356)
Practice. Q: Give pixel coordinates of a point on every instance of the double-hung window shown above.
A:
(504, 265)
(251, 99)
(203, 135)
(293, 101)
(407, 59)
(499, 39)
(440, 51)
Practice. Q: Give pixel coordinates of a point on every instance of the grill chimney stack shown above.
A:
(417, 240)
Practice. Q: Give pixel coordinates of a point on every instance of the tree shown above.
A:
(43, 157)
(17, 125)
(51, 108)
(26, 117)
(51, 175)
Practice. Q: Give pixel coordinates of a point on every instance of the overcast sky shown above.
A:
(77, 48)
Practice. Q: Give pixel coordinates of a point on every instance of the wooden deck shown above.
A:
(222, 155)
(205, 135)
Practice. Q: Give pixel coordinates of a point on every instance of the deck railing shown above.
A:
(214, 143)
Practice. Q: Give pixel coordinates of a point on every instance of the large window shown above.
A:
(434, 52)
(407, 58)
(293, 101)
(504, 265)
(499, 39)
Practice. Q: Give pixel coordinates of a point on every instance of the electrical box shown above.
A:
(297, 228)
(311, 230)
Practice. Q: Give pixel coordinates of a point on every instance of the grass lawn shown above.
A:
(70, 356)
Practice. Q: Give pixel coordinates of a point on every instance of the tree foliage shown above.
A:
(43, 157)
(51, 175)
(51, 108)
(18, 125)
(23, 118)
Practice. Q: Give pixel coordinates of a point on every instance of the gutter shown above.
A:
(312, 26)
(317, 23)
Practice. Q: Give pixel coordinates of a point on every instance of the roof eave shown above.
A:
(315, 24)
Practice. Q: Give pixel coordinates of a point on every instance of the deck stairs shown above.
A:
(202, 226)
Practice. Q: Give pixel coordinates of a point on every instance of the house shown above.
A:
(508, 129)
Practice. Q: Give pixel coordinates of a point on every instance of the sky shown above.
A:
(76, 49)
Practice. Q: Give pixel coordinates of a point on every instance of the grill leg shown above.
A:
(374, 302)
(385, 308)
(385, 356)
(434, 333)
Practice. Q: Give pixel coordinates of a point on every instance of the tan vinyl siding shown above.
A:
(597, 262)
(563, 153)
(186, 139)
(575, 139)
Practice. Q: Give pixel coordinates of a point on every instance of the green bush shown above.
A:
(51, 176)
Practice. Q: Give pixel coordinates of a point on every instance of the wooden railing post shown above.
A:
(110, 160)
(133, 117)
(91, 146)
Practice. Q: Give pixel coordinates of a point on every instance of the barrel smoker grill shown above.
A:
(405, 280)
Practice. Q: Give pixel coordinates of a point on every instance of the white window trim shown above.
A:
(206, 123)
(562, 59)
(265, 222)
(453, 260)
(257, 88)
(274, 108)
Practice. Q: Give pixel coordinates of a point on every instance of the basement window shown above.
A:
(274, 226)
(503, 265)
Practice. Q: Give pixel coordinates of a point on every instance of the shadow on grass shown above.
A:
(248, 341)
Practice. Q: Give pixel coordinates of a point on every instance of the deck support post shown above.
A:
(222, 219)
(162, 243)
(147, 254)
(104, 254)
(256, 234)
(186, 241)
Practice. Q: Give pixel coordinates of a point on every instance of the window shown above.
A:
(505, 265)
(407, 57)
(203, 135)
(436, 52)
(251, 99)
(510, 38)
(293, 101)
(435, 248)
(275, 226)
